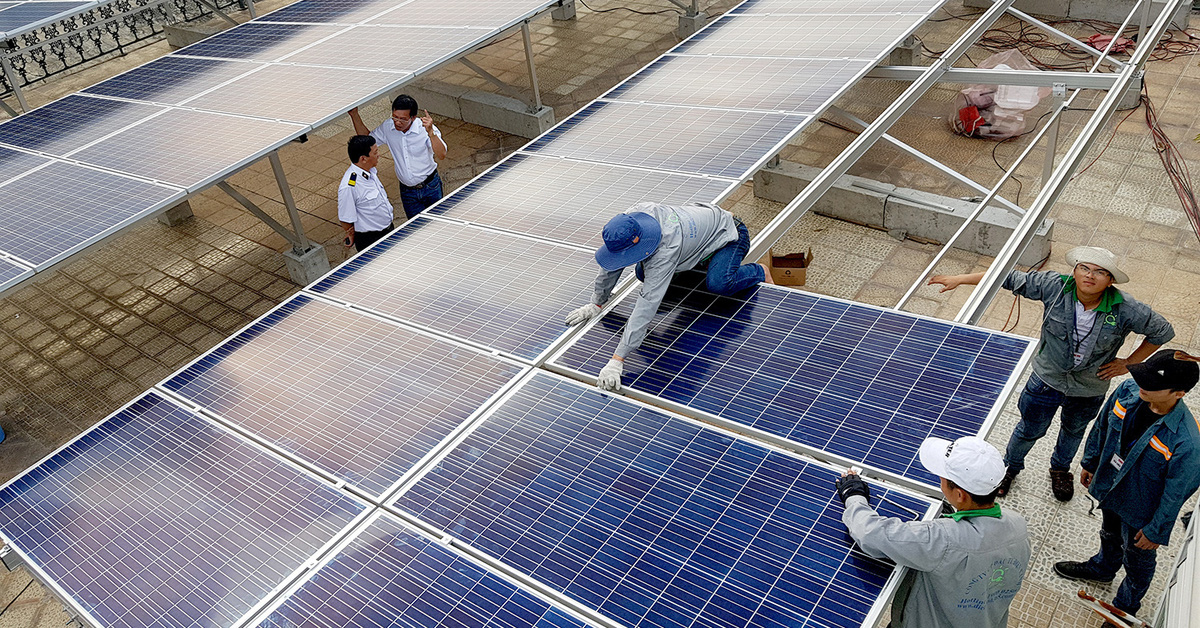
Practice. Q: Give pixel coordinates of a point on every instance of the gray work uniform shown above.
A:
(965, 572)
(690, 234)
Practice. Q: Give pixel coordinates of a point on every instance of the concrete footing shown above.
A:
(305, 268)
(483, 108)
(906, 53)
(903, 211)
(1107, 10)
(176, 214)
(689, 24)
(564, 11)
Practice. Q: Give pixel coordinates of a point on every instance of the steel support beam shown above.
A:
(501, 85)
(302, 244)
(824, 181)
(533, 78)
(1060, 95)
(1025, 17)
(973, 76)
(11, 76)
(250, 7)
(260, 214)
(221, 14)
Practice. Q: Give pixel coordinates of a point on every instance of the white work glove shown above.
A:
(610, 375)
(583, 314)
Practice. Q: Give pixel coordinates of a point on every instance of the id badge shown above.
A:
(1117, 462)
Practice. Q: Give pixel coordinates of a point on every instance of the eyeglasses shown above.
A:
(1093, 272)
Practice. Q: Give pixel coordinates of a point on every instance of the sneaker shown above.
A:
(1062, 483)
(1073, 570)
(1010, 474)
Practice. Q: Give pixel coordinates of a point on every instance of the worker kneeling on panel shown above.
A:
(662, 240)
(966, 566)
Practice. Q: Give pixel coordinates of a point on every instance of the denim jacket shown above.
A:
(1160, 472)
(1117, 315)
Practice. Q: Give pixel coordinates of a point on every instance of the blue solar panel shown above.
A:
(19, 18)
(679, 139)
(14, 163)
(74, 206)
(158, 518)
(568, 201)
(330, 11)
(12, 273)
(495, 289)
(64, 125)
(854, 380)
(259, 42)
(171, 79)
(357, 397)
(390, 576)
(654, 520)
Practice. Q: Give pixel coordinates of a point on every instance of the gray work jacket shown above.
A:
(965, 572)
(690, 233)
(1117, 315)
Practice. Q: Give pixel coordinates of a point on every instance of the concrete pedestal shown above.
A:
(906, 53)
(564, 11)
(305, 268)
(176, 215)
(493, 111)
(689, 24)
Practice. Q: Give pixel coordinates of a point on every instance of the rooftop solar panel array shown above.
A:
(856, 381)
(654, 520)
(17, 18)
(172, 79)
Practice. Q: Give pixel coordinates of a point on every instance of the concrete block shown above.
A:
(921, 214)
(305, 268)
(505, 114)
(564, 11)
(438, 97)
(187, 33)
(689, 24)
(176, 215)
(906, 53)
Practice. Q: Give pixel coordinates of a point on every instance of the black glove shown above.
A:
(851, 484)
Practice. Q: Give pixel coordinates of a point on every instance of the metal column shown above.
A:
(302, 244)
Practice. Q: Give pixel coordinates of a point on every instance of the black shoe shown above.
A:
(1010, 474)
(1073, 570)
(1062, 483)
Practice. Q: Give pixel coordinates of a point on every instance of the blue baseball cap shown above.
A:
(628, 239)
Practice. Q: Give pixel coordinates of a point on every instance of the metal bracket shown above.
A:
(300, 242)
(972, 76)
(221, 14)
(11, 77)
(533, 99)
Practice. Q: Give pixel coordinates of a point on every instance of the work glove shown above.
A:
(583, 314)
(851, 484)
(610, 375)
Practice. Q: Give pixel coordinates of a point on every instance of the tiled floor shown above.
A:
(81, 340)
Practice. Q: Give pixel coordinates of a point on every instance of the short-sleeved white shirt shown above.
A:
(412, 150)
(363, 201)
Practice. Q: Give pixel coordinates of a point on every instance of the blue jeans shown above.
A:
(1117, 550)
(724, 271)
(1038, 404)
(417, 200)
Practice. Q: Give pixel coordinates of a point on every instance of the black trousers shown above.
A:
(363, 239)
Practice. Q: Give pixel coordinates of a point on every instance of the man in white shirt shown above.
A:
(415, 148)
(363, 207)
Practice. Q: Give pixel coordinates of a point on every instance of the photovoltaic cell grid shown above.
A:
(389, 576)
(569, 201)
(271, 92)
(64, 125)
(794, 85)
(171, 79)
(854, 380)
(392, 48)
(498, 290)
(801, 36)
(18, 18)
(156, 517)
(179, 159)
(653, 520)
(14, 163)
(11, 273)
(490, 14)
(259, 41)
(330, 11)
(359, 398)
(857, 7)
(681, 139)
(74, 205)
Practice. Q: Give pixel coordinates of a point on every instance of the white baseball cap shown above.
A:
(970, 462)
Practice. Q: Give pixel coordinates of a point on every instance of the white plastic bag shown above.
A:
(996, 111)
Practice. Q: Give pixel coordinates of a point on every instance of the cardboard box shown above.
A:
(790, 270)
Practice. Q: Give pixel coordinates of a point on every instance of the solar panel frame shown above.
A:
(391, 48)
(193, 385)
(722, 143)
(843, 7)
(40, 14)
(72, 601)
(15, 163)
(72, 122)
(156, 82)
(12, 273)
(913, 476)
(568, 201)
(492, 14)
(260, 41)
(520, 514)
(795, 36)
(331, 11)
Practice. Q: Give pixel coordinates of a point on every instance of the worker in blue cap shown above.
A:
(662, 240)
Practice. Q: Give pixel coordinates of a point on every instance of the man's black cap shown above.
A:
(1167, 370)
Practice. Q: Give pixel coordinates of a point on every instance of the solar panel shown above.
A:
(74, 206)
(495, 289)
(64, 125)
(568, 200)
(180, 156)
(651, 519)
(14, 163)
(390, 576)
(856, 7)
(802, 36)
(259, 41)
(20, 18)
(330, 11)
(854, 380)
(12, 273)
(794, 85)
(171, 79)
(681, 139)
(271, 92)
(157, 517)
(490, 14)
(357, 397)
(392, 48)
